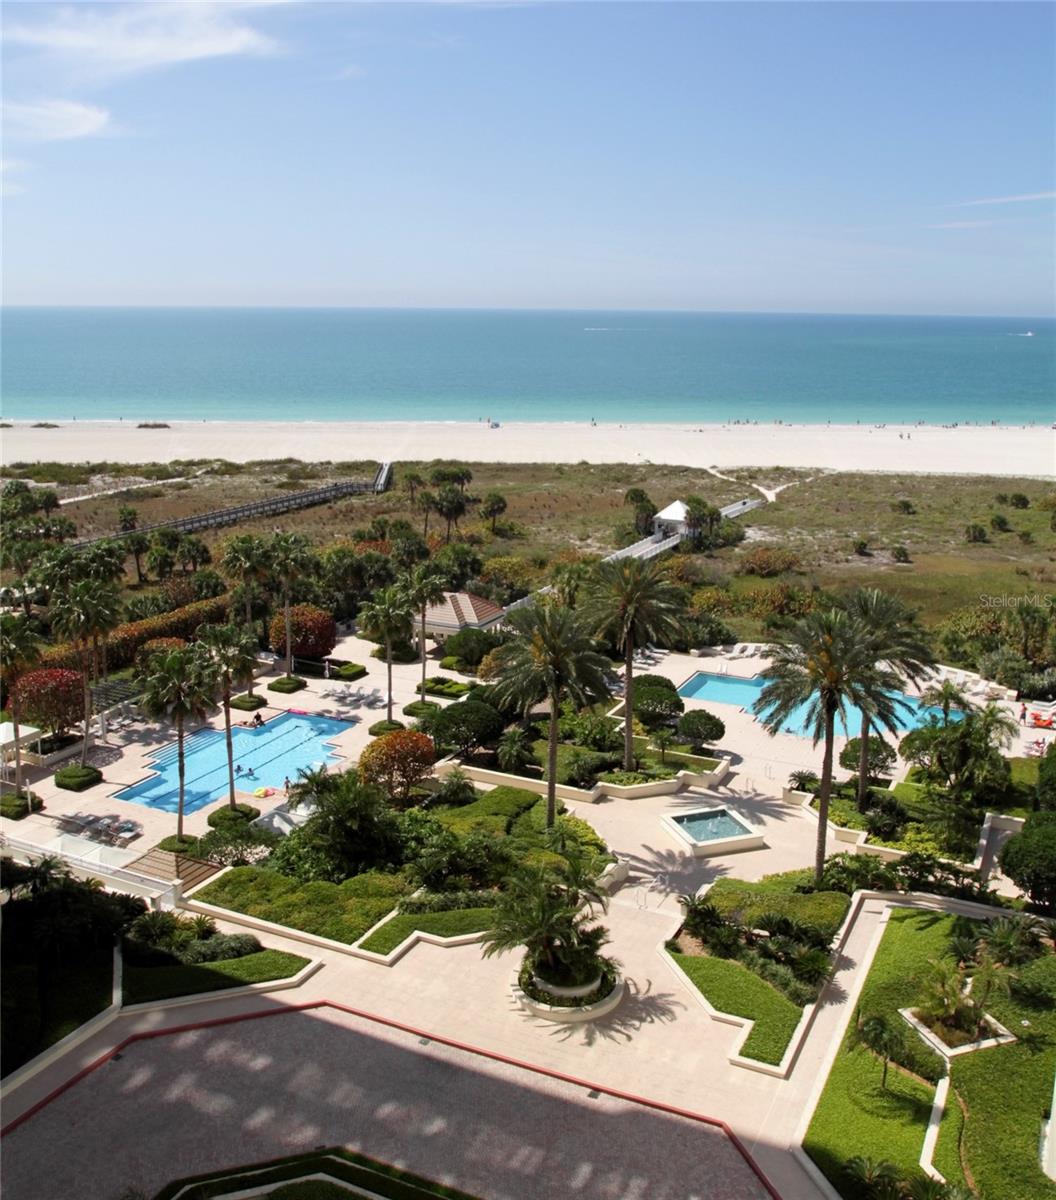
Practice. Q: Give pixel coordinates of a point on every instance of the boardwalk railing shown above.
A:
(272, 506)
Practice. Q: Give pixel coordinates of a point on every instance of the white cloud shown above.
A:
(1009, 199)
(53, 120)
(961, 225)
(121, 38)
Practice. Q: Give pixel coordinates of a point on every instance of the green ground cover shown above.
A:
(162, 983)
(734, 989)
(341, 911)
(444, 924)
(747, 902)
(494, 811)
(679, 754)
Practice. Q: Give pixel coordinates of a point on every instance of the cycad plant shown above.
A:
(632, 602)
(551, 657)
(824, 666)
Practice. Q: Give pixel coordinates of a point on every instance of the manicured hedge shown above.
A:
(349, 672)
(747, 902)
(227, 814)
(382, 727)
(443, 924)
(439, 685)
(161, 983)
(16, 805)
(51, 699)
(732, 988)
(126, 639)
(494, 812)
(313, 632)
(419, 708)
(77, 778)
(342, 911)
(287, 684)
(248, 703)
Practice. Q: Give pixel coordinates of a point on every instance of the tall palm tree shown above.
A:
(632, 602)
(946, 696)
(425, 503)
(246, 559)
(825, 665)
(290, 556)
(898, 642)
(388, 617)
(423, 585)
(551, 657)
(233, 655)
(450, 504)
(80, 613)
(179, 687)
(568, 580)
(20, 648)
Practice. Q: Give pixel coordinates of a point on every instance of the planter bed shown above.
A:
(438, 685)
(399, 928)
(287, 684)
(15, 806)
(248, 703)
(142, 984)
(77, 779)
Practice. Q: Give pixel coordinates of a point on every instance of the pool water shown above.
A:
(278, 750)
(712, 825)
(727, 689)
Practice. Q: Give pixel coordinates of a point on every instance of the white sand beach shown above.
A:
(964, 450)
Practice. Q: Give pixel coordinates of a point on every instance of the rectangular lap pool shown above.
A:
(728, 689)
(714, 831)
(276, 751)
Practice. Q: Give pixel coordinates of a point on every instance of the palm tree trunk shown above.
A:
(863, 765)
(227, 735)
(249, 602)
(182, 769)
(628, 704)
(139, 569)
(824, 792)
(15, 707)
(87, 703)
(388, 664)
(289, 632)
(551, 766)
(421, 647)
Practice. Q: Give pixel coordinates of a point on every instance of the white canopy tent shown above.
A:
(27, 734)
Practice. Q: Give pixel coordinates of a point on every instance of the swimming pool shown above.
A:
(728, 689)
(276, 751)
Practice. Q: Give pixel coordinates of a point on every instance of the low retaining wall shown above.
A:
(56, 756)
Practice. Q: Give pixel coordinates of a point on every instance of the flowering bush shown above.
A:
(155, 646)
(312, 631)
(126, 639)
(397, 761)
(52, 699)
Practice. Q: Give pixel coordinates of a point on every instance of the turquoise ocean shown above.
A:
(459, 365)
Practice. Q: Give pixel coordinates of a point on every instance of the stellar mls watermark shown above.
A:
(1004, 600)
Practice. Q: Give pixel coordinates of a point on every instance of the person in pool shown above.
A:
(258, 721)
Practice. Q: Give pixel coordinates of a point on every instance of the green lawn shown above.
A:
(443, 924)
(732, 988)
(747, 902)
(162, 983)
(341, 911)
(680, 753)
(494, 811)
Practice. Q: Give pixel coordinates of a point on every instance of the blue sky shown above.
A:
(752, 156)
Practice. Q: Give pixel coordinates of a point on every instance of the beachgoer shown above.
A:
(1022, 714)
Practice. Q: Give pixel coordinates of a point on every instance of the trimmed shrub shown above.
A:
(451, 662)
(649, 682)
(248, 703)
(287, 684)
(349, 672)
(77, 778)
(379, 728)
(52, 699)
(767, 561)
(16, 805)
(881, 756)
(700, 727)
(402, 652)
(218, 948)
(240, 814)
(155, 646)
(420, 708)
(438, 685)
(397, 761)
(466, 725)
(1029, 858)
(313, 632)
(657, 706)
(470, 646)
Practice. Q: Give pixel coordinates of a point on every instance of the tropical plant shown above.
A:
(51, 698)
(20, 647)
(290, 558)
(493, 507)
(423, 586)
(886, 1041)
(663, 739)
(514, 751)
(80, 614)
(1028, 858)
(632, 602)
(312, 632)
(179, 688)
(551, 657)
(232, 654)
(897, 642)
(449, 503)
(825, 664)
(388, 619)
(803, 781)
(247, 559)
(397, 762)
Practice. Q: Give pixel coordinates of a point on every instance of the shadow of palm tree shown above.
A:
(104, 755)
(640, 1006)
(671, 872)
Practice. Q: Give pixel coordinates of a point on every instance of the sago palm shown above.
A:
(897, 642)
(423, 586)
(232, 653)
(825, 665)
(551, 657)
(388, 618)
(631, 601)
(20, 648)
(178, 688)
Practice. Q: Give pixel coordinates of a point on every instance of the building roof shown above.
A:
(675, 511)
(461, 610)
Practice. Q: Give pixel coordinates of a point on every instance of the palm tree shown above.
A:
(289, 557)
(247, 559)
(896, 641)
(423, 586)
(631, 602)
(824, 665)
(450, 504)
(568, 580)
(493, 507)
(886, 1041)
(388, 617)
(137, 544)
(946, 696)
(179, 688)
(514, 751)
(551, 657)
(233, 655)
(79, 614)
(425, 503)
(412, 481)
(20, 648)
(701, 515)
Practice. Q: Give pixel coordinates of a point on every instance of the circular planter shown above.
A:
(568, 993)
(570, 1016)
